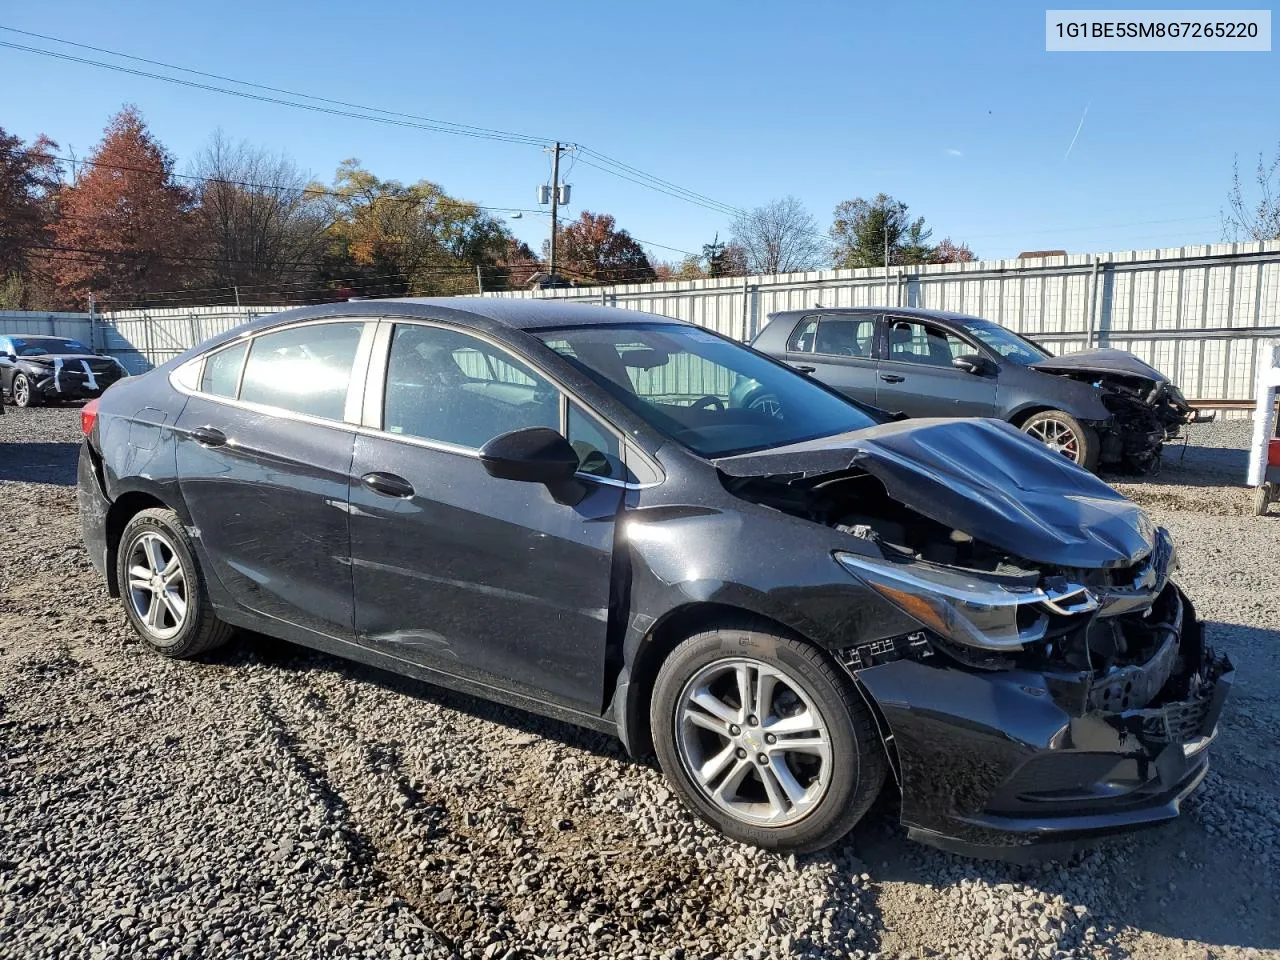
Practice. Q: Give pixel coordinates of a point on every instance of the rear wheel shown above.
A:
(765, 739)
(1066, 435)
(24, 392)
(164, 594)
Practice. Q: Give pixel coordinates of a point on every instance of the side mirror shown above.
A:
(535, 455)
(972, 363)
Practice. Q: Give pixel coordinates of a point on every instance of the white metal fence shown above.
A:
(1196, 313)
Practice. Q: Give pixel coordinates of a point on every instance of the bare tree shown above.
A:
(1262, 222)
(257, 222)
(780, 237)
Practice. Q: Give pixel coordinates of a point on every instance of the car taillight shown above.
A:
(88, 417)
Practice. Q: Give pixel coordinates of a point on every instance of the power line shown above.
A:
(606, 164)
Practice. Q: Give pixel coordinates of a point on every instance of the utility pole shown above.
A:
(886, 259)
(555, 204)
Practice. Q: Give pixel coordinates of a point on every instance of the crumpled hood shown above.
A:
(984, 477)
(1101, 360)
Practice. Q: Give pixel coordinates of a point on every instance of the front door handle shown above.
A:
(803, 367)
(388, 485)
(208, 436)
(891, 378)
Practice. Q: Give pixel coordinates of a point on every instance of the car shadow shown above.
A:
(249, 647)
(53, 463)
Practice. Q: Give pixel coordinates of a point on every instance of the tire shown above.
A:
(1064, 433)
(155, 541)
(23, 392)
(835, 784)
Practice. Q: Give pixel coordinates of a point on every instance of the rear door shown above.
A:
(487, 579)
(264, 456)
(916, 376)
(839, 350)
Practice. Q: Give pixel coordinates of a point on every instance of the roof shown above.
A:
(527, 314)
(896, 311)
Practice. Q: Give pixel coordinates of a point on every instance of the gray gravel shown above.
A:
(273, 802)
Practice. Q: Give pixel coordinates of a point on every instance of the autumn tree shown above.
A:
(392, 239)
(593, 248)
(28, 187)
(1254, 219)
(949, 252)
(724, 259)
(124, 225)
(257, 225)
(780, 237)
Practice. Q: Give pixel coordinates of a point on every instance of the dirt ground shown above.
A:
(273, 802)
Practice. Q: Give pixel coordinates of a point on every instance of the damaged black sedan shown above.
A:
(40, 369)
(1096, 407)
(581, 512)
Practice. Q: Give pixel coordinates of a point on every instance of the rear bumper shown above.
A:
(1018, 765)
(94, 505)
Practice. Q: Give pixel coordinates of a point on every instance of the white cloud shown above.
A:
(953, 152)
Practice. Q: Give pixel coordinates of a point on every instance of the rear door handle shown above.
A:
(388, 485)
(803, 367)
(209, 436)
(891, 378)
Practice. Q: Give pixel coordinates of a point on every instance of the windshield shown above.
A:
(1005, 342)
(709, 394)
(45, 346)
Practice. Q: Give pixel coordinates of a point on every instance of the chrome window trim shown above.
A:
(371, 419)
(363, 348)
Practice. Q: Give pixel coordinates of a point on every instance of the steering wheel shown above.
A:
(707, 402)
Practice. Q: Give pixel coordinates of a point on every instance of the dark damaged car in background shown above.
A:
(573, 510)
(1097, 407)
(35, 369)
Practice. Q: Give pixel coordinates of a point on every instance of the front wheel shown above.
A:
(765, 739)
(1066, 435)
(24, 392)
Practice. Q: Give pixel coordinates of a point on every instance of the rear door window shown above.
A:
(304, 369)
(851, 336)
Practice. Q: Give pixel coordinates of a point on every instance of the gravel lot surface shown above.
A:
(273, 802)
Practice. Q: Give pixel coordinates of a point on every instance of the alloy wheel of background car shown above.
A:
(22, 393)
(163, 592)
(753, 741)
(1064, 434)
(764, 737)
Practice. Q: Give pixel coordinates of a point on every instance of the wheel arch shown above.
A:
(634, 693)
(125, 507)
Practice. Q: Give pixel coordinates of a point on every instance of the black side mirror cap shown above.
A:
(972, 363)
(535, 455)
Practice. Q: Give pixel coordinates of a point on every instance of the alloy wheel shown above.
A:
(21, 391)
(157, 586)
(1057, 436)
(753, 741)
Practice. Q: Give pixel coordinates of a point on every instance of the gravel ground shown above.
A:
(271, 802)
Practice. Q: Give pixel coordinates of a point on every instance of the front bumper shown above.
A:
(70, 383)
(1019, 764)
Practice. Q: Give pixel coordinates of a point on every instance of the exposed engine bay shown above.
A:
(1145, 414)
(1109, 641)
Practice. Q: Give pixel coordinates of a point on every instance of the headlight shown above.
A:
(967, 608)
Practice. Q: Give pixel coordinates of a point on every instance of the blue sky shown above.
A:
(955, 109)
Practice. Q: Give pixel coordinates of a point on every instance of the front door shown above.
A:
(916, 376)
(478, 577)
(839, 350)
(263, 460)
